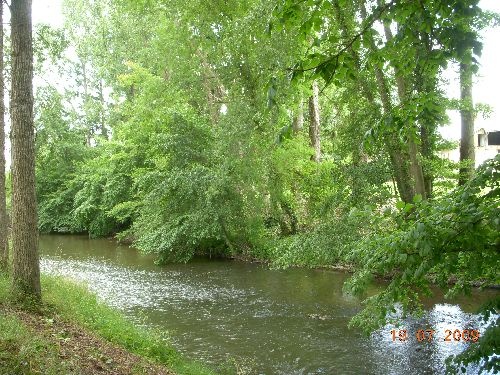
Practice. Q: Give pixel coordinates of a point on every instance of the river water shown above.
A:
(264, 321)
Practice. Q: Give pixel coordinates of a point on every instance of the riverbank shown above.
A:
(74, 333)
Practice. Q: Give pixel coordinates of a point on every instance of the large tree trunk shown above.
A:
(4, 243)
(314, 122)
(399, 158)
(398, 155)
(25, 262)
(426, 135)
(467, 152)
(417, 172)
(426, 83)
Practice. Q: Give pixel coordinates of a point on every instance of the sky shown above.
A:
(486, 85)
(486, 88)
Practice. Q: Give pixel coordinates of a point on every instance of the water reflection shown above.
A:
(275, 322)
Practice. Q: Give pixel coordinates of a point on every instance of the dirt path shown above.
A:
(84, 352)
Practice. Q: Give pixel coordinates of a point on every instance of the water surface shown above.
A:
(267, 321)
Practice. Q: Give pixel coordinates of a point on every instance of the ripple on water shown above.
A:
(129, 288)
(263, 322)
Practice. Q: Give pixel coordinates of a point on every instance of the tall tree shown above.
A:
(314, 122)
(4, 244)
(417, 173)
(467, 152)
(396, 149)
(25, 262)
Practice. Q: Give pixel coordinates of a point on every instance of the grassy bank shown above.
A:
(72, 328)
(24, 352)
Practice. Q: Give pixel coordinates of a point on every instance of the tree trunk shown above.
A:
(314, 122)
(88, 131)
(104, 130)
(213, 86)
(393, 145)
(426, 83)
(426, 134)
(25, 262)
(467, 151)
(298, 120)
(415, 165)
(4, 243)
(399, 158)
(398, 155)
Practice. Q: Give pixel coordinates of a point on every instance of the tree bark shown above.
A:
(467, 151)
(415, 165)
(399, 158)
(393, 145)
(426, 134)
(298, 120)
(398, 155)
(426, 84)
(314, 122)
(25, 261)
(4, 243)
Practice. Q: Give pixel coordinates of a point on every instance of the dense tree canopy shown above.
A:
(296, 132)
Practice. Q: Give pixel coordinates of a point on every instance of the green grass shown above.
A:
(75, 303)
(23, 352)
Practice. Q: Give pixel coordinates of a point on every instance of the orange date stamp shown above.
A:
(428, 335)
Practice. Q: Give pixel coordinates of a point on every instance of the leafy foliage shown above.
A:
(183, 132)
(454, 239)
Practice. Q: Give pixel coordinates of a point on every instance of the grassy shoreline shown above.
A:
(28, 345)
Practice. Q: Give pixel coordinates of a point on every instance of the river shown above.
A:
(265, 321)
